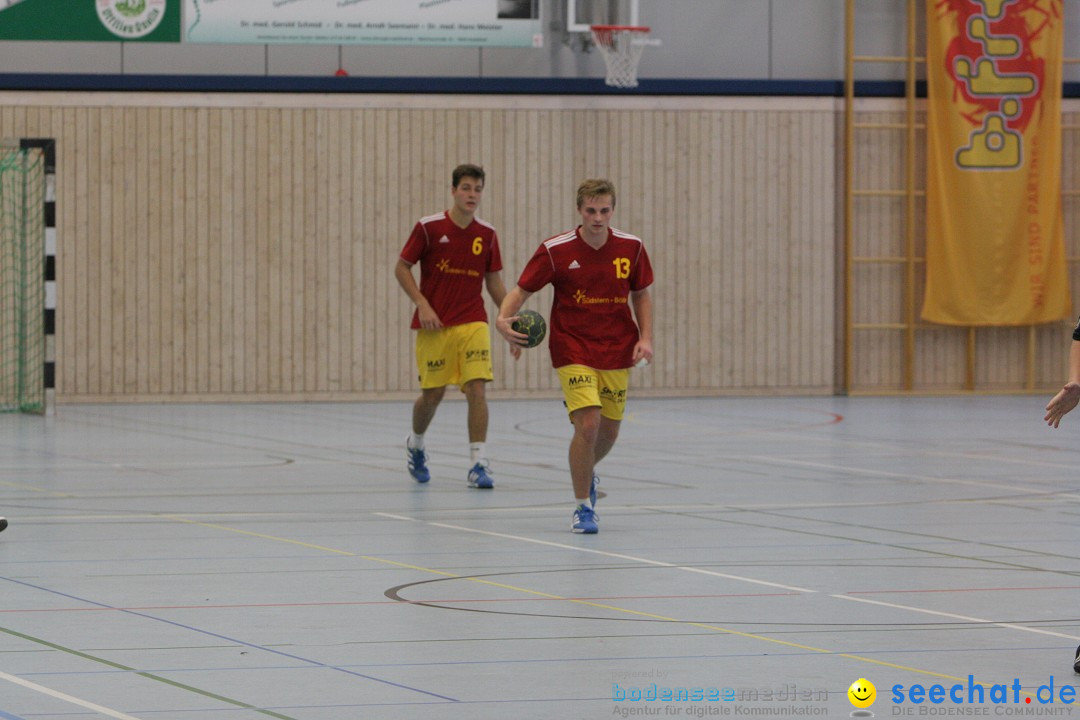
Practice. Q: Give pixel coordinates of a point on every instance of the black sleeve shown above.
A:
(1076, 331)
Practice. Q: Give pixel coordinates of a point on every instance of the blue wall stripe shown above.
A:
(438, 85)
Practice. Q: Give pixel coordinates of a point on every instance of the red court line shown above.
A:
(965, 590)
(385, 602)
(834, 419)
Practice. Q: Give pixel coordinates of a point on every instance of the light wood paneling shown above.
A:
(241, 247)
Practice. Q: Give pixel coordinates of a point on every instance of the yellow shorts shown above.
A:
(453, 355)
(586, 387)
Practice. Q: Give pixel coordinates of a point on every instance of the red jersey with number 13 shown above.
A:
(453, 264)
(591, 323)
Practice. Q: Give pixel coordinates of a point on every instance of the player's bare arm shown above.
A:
(508, 314)
(497, 290)
(643, 313)
(429, 319)
(495, 287)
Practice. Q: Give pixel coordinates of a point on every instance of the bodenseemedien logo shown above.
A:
(131, 19)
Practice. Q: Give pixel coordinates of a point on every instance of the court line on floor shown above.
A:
(209, 633)
(882, 444)
(724, 575)
(140, 673)
(65, 697)
(907, 534)
(359, 603)
(604, 553)
(961, 590)
(34, 489)
(966, 618)
(724, 629)
(681, 567)
(613, 608)
(937, 553)
(850, 470)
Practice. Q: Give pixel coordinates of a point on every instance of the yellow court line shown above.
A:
(312, 546)
(31, 488)
(614, 608)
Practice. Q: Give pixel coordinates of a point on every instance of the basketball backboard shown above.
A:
(581, 15)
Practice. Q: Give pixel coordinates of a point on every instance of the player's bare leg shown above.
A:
(475, 395)
(423, 413)
(587, 423)
(479, 472)
(605, 438)
(424, 408)
(583, 446)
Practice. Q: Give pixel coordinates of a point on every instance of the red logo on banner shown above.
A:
(994, 70)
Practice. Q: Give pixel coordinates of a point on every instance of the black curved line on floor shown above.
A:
(394, 593)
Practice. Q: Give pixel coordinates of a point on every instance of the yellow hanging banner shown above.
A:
(995, 246)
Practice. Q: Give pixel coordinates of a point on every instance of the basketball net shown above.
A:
(621, 46)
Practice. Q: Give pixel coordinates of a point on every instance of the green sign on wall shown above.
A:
(91, 20)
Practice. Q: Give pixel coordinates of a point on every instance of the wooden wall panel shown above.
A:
(220, 247)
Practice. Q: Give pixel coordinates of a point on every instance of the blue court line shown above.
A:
(9, 716)
(236, 641)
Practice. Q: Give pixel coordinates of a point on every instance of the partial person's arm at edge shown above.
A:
(429, 319)
(1068, 396)
(508, 314)
(643, 313)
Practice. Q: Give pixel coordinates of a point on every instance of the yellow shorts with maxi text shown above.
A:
(453, 355)
(587, 387)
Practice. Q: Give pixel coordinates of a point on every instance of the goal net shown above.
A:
(22, 279)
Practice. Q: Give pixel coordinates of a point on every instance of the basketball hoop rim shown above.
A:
(620, 28)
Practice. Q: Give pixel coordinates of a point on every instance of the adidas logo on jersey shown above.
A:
(574, 265)
(443, 240)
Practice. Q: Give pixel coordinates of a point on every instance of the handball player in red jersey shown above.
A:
(598, 274)
(458, 255)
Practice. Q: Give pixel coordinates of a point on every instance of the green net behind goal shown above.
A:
(22, 280)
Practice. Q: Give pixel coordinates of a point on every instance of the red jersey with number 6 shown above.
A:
(453, 264)
(591, 322)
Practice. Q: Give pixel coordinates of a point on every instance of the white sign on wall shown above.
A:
(459, 23)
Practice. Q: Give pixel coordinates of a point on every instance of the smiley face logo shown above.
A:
(862, 693)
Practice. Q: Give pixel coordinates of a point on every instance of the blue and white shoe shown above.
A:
(480, 477)
(585, 520)
(417, 464)
(592, 490)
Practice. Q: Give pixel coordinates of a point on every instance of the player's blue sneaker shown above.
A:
(417, 464)
(592, 490)
(585, 520)
(480, 477)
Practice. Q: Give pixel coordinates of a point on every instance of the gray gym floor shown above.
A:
(254, 561)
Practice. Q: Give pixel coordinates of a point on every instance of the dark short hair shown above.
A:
(468, 170)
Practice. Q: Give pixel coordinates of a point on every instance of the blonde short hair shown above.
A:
(595, 188)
